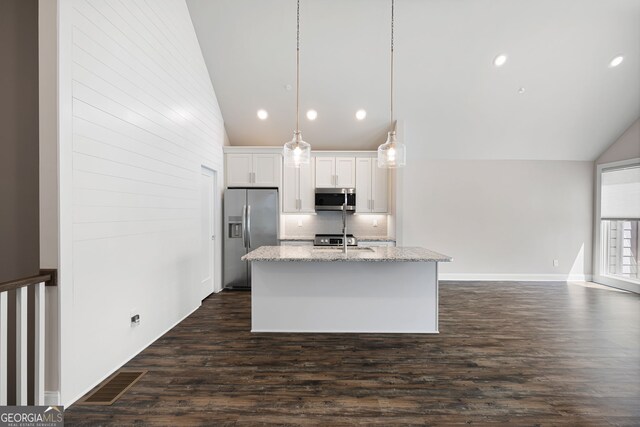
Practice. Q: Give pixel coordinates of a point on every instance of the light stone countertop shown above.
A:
(317, 254)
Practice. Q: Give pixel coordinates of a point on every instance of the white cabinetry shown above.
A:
(337, 172)
(253, 169)
(298, 192)
(372, 188)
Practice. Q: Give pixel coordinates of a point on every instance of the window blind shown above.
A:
(620, 194)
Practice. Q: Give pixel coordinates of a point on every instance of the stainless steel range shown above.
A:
(334, 240)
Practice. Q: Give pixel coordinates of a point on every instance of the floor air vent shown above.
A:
(111, 390)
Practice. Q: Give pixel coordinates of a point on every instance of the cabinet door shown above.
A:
(363, 184)
(325, 172)
(290, 194)
(307, 188)
(379, 188)
(266, 170)
(346, 172)
(239, 170)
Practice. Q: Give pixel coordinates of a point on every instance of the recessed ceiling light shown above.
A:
(312, 114)
(361, 114)
(500, 60)
(262, 114)
(616, 61)
(522, 90)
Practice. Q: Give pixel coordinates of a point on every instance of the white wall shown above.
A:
(500, 219)
(626, 147)
(138, 118)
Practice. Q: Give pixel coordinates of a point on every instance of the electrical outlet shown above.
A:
(299, 223)
(134, 316)
(556, 263)
(375, 222)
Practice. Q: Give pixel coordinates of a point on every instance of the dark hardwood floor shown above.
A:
(507, 353)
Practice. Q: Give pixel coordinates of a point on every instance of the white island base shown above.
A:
(345, 296)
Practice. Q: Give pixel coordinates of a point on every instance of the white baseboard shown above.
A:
(51, 398)
(515, 277)
(127, 359)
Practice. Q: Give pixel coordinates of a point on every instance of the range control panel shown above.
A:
(333, 240)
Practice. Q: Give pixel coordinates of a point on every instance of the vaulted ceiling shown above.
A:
(453, 101)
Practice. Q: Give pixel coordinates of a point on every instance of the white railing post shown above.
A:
(21, 346)
(38, 374)
(4, 317)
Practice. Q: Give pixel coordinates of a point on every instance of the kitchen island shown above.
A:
(319, 289)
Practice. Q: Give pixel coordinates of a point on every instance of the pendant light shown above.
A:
(297, 152)
(392, 154)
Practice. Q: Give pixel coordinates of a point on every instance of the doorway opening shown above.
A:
(209, 212)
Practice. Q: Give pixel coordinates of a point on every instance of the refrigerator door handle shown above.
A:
(248, 226)
(244, 225)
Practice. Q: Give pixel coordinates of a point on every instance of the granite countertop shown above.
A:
(314, 254)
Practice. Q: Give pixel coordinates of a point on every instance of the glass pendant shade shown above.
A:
(296, 152)
(392, 154)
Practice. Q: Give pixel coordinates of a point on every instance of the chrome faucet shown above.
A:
(344, 224)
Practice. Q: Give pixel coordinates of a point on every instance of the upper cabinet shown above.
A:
(337, 172)
(298, 190)
(263, 167)
(253, 169)
(372, 186)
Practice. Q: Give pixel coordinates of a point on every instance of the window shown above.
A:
(621, 249)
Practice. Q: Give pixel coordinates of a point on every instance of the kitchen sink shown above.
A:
(339, 249)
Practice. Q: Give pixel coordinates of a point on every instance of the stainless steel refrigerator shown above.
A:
(250, 221)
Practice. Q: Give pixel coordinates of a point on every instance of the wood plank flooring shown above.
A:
(508, 353)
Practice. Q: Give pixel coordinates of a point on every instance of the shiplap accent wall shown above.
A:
(145, 119)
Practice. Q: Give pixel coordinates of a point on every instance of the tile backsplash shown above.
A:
(295, 225)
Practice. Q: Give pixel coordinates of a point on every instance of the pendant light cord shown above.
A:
(392, 22)
(298, 68)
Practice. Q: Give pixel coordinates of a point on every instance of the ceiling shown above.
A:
(453, 102)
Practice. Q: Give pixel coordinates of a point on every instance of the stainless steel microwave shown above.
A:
(334, 199)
